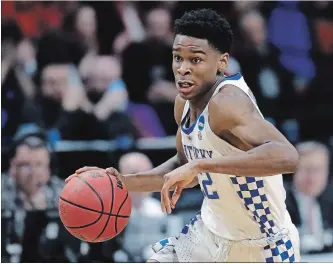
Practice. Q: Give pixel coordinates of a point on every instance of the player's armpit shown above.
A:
(178, 112)
(266, 150)
(180, 150)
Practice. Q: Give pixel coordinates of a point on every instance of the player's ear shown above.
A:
(223, 62)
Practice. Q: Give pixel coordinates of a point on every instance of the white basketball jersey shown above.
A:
(234, 207)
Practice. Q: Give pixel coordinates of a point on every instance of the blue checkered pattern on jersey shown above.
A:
(251, 191)
(282, 251)
(193, 220)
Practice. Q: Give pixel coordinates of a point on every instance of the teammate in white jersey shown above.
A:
(225, 144)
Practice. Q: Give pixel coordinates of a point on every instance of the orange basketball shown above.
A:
(94, 206)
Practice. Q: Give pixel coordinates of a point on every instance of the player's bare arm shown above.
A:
(234, 118)
(152, 181)
(267, 151)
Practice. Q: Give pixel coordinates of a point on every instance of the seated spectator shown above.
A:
(153, 57)
(29, 207)
(146, 217)
(63, 105)
(142, 202)
(80, 26)
(105, 88)
(108, 95)
(149, 77)
(26, 56)
(17, 88)
(309, 199)
(270, 82)
(75, 111)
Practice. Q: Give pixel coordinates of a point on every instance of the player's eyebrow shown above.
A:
(193, 50)
(198, 51)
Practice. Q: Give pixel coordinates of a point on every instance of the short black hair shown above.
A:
(32, 142)
(206, 24)
(11, 31)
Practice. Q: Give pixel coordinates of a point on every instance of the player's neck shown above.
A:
(197, 105)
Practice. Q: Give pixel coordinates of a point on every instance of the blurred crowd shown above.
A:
(102, 70)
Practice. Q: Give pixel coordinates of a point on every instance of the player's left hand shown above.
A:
(179, 179)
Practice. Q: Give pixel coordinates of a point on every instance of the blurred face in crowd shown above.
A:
(86, 21)
(104, 70)
(243, 6)
(134, 163)
(54, 81)
(312, 173)
(26, 51)
(158, 23)
(26, 56)
(254, 27)
(30, 168)
(195, 65)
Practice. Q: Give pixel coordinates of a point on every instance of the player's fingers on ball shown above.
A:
(85, 168)
(112, 171)
(69, 178)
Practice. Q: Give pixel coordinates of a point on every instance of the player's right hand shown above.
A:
(109, 171)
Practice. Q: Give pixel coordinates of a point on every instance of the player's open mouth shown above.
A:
(185, 86)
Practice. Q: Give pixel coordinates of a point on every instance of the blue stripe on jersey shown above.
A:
(189, 130)
(252, 193)
(234, 77)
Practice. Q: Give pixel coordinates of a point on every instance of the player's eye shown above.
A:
(177, 58)
(196, 60)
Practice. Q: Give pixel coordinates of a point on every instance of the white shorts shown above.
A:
(198, 244)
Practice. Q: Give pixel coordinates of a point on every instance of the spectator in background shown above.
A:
(29, 202)
(146, 216)
(153, 58)
(108, 95)
(105, 88)
(309, 200)
(63, 104)
(135, 162)
(86, 27)
(71, 110)
(17, 88)
(269, 81)
(26, 57)
(80, 26)
(149, 77)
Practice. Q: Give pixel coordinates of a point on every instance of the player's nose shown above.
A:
(184, 69)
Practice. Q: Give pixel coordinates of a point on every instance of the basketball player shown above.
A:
(225, 144)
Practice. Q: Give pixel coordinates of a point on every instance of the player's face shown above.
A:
(195, 66)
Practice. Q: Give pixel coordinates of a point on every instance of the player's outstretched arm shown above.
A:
(152, 181)
(149, 181)
(232, 115)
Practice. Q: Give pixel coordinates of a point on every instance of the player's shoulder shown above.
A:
(229, 106)
(179, 108)
(231, 94)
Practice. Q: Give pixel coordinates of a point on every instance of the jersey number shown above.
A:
(206, 183)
